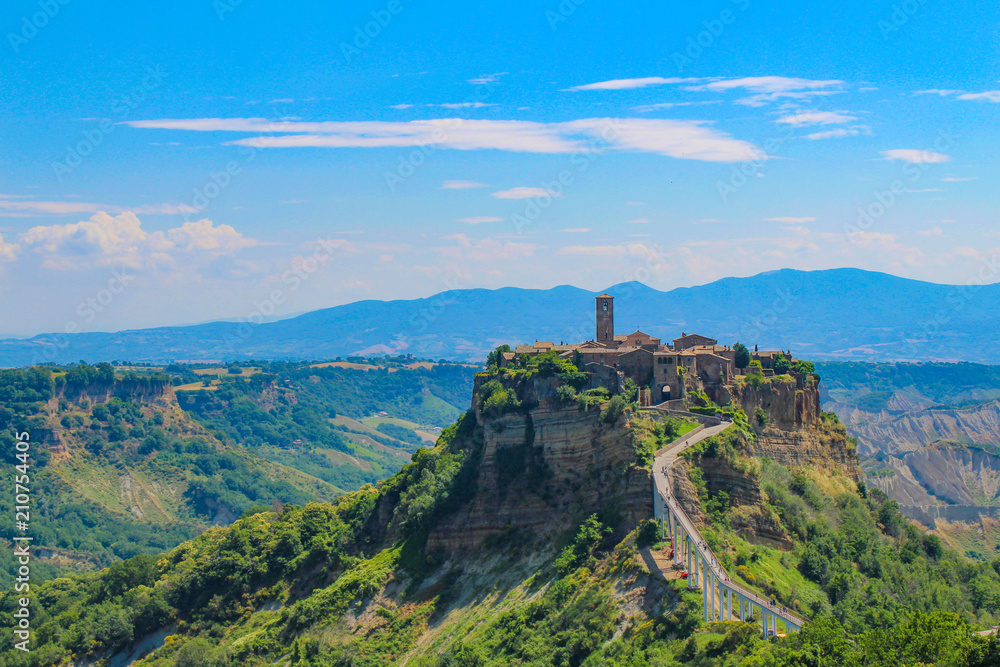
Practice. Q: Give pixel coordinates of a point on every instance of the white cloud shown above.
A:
(461, 185)
(773, 88)
(942, 92)
(8, 251)
(987, 96)
(479, 219)
(627, 84)
(104, 240)
(790, 220)
(958, 179)
(839, 133)
(770, 84)
(22, 207)
(486, 250)
(670, 105)
(523, 193)
(815, 118)
(486, 78)
(204, 236)
(691, 140)
(162, 209)
(933, 231)
(401, 106)
(462, 105)
(575, 230)
(595, 250)
(639, 221)
(914, 156)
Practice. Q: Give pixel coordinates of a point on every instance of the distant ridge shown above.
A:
(831, 314)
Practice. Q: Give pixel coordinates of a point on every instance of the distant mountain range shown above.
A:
(837, 314)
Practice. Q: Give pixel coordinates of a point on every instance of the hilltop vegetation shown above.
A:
(119, 468)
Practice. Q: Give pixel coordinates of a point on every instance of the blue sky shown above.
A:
(204, 160)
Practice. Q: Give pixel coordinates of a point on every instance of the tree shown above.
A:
(782, 364)
(742, 356)
(496, 356)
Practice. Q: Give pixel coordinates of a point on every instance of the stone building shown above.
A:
(669, 371)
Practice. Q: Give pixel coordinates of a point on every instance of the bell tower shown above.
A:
(605, 318)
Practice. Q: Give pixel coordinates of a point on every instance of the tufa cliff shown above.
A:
(544, 464)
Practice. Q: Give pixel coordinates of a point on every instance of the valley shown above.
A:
(136, 459)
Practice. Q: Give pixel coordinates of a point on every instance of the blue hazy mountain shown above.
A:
(833, 314)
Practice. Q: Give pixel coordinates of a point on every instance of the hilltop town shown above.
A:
(664, 372)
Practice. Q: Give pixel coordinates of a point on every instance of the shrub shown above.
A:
(565, 393)
(613, 410)
(761, 416)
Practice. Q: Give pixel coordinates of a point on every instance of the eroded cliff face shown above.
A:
(788, 428)
(542, 471)
(794, 432)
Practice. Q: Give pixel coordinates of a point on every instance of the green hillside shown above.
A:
(356, 582)
(122, 464)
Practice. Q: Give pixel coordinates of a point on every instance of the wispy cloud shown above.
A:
(645, 108)
(575, 230)
(986, 96)
(942, 92)
(486, 78)
(914, 156)
(480, 219)
(24, 207)
(958, 179)
(627, 84)
(523, 193)
(461, 185)
(772, 88)
(688, 140)
(791, 220)
(804, 118)
(839, 133)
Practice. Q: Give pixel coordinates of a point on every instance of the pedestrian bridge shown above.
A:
(724, 599)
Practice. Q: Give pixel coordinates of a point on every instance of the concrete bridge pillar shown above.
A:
(711, 576)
